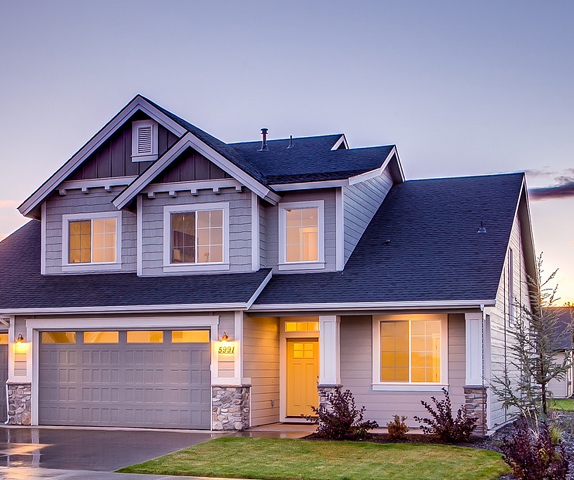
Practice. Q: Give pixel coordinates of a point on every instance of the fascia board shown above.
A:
(138, 103)
(190, 140)
(373, 305)
(192, 307)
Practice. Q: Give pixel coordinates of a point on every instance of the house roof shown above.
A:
(421, 246)
(564, 324)
(22, 287)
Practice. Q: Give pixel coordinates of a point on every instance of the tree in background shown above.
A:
(533, 354)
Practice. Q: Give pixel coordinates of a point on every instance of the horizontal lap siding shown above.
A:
(559, 388)
(360, 202)
(96, 201)
(227, 325)
(239, 226)
(357, 368)
(261, 364)
(501, 332)
(272, 226)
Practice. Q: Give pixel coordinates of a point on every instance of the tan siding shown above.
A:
(357, 368)
(261, 364)
(227, 325)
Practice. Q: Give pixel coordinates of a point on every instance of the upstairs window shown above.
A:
(91, 239)
(144, 140)
(301, 235)
(195, 236)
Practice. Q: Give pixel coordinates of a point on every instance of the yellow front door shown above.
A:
(302, 375)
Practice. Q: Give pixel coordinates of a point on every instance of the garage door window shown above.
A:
(3, 339)
(144, 336)
(101, 337)
(58, 337)
(190, 336)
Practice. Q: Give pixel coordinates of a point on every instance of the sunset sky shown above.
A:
(461, 87)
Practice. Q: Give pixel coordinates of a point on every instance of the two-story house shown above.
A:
(168, 279)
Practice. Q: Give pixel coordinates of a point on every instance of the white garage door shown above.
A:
(158, 379)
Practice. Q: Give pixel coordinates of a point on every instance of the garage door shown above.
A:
(158, 379)
(3, 375)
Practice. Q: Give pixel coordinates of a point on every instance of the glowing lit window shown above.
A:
(411, 351)
(3, 339)
(197, 237)
(302, 234)
(101, 337)
(144, 336)
(58, 337)
(301, 326)
(303, 350)
(190, 336)
(92, 240)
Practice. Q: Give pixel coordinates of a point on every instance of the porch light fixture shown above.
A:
(20, 339)
(224, 338)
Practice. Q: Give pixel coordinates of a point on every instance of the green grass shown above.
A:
(566, 404)
(286, 459)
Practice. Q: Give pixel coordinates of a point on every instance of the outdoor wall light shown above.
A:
(20, 339)
(224, 338)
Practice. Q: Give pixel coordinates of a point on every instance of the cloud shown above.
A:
(8, 203)
(563, 188)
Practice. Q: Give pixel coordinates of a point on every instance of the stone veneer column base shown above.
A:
(324, 391)
(475, 406)
(230, 407)
(19, 403)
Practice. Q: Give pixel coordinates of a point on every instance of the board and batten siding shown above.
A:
(360, 202)
(357, 372)
(501, 329)
(272, 227)
(261, 365)
(239, 228)
(97, 200)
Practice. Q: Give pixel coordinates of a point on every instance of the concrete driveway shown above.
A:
(27, 452)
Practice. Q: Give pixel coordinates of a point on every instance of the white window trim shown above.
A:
(90, 267)
(320, 262)
(377, 385)
(138, 157)
(169, 267)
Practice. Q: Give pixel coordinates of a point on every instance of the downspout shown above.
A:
(483, 370)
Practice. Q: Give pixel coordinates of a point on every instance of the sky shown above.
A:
(461, 87)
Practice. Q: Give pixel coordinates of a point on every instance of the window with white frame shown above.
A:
(195, 235)
(91, 239)
(144, 140)
(410, 351)
(301, 234)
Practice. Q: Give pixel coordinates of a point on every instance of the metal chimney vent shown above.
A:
(290, 142)
(264, 147)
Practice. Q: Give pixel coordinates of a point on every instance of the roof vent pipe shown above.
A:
(290, 142)
(482, 228)
(264, 147)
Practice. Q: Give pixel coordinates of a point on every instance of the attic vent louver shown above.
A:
(264, 147)
(144, 140)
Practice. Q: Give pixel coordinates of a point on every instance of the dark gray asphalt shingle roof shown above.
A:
(564, 322)
(435, 252)
(22, 285)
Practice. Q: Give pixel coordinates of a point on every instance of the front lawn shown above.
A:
(566, 404)
(286, 459)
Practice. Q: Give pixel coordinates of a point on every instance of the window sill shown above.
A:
(202, 267)
(302, 266)
(408, 387)
(91, 267)
(144, 158)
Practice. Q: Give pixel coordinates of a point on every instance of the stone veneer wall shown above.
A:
(475, 406)
(19, 403)
(230, 408)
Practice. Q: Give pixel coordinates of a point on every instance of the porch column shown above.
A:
(475, 392)
(329, 351)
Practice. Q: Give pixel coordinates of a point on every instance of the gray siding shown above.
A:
(97, 200)
(261, 365)
(559, 388)
(262, 236)
(239, 226)
(226, 363)
(501, 330)
(360, 202)
(190, 166)
(114, 157)
(272, 226)
(357, 372)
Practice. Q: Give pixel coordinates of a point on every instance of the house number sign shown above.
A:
(226, 350)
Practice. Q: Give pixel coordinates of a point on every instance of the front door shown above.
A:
(302, 376)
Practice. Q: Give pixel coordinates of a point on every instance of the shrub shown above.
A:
(397, 428)
(532, 454)
(339, 419)
(442, 422)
